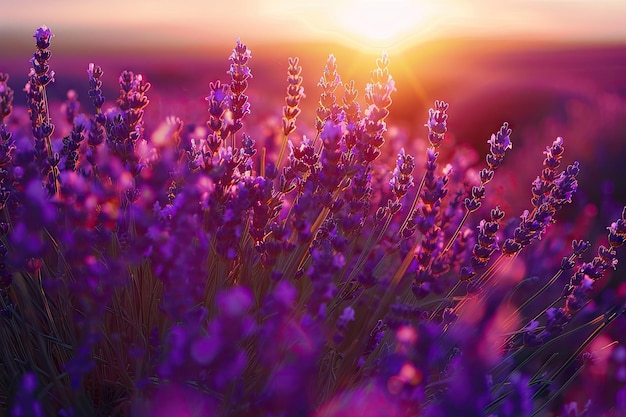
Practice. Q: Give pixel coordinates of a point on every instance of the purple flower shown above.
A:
(240, 73)
(295, 92)
(499, 144)
(378, 99)
(42, 36)
(328, 107)
(95, 88)
(218, 99)
(402, 179)
(543, 185)
(550, 194)
(437, 123)
(378, 91)
(486, 243)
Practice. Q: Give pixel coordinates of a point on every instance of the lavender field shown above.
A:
(223, 232)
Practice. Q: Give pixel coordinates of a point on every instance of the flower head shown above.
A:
(42, 36)
(437, 123)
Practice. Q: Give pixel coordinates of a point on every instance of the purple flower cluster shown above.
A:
(551, 192)
(155, 269)
(577, 292)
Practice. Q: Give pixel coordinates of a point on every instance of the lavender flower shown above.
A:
(39, 77)
(437, 123)
(557, 193)
(576, 292)
(378, 99)
(239, 73)
(543, 185)
(328, 107)
(218, 102)
(427, 215)
(124, 125)
(499, 144)
(402, 179)
(71, 145)
(95, 74)
(486, 244)
(42, 36)
(295, 93)
(589, 272)
(352, 112)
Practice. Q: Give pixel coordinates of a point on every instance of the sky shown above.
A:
(368, 23)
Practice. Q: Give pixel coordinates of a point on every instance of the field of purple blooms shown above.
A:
(234, 266)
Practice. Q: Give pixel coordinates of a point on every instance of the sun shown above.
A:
(383, 23)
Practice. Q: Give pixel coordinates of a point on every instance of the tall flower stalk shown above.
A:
(40, 77)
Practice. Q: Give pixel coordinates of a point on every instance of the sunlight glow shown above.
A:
(369, 25)
(379, 19)
(385, 23)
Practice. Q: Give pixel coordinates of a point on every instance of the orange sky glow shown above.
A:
(376, 24)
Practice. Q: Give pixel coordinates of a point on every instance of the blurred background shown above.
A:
(548, 67)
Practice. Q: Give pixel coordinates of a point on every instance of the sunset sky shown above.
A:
(375, 23)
